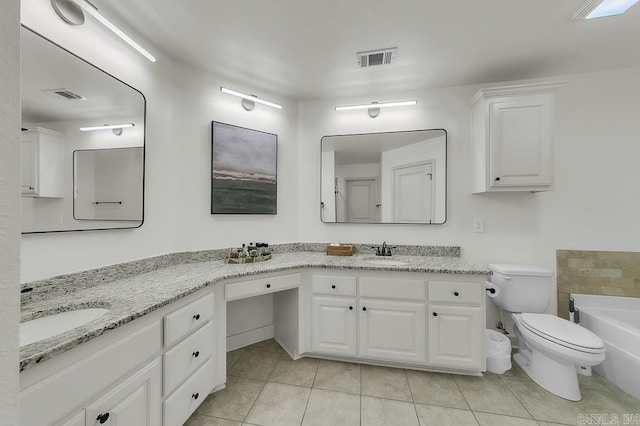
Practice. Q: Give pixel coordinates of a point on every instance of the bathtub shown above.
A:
(616, 320)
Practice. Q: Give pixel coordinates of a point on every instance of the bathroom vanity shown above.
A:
(154, 357)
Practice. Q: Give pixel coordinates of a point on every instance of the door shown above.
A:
(333, 325)
(521, 142)
(137, 401)
(392, 330)
(456, 334)
(362, 201)
(413, 193)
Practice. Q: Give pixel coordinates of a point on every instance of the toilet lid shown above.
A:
(561, 331)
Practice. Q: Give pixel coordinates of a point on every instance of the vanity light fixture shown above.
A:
(374, 107)
(115, 128)
(601, 8)
(249, 101)
(72, 12)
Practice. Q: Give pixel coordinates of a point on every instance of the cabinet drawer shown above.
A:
(389, 288)
(339, 286)
(186, 319)
(184, 401)
(460, 293)
(183, 359)
(259, 286)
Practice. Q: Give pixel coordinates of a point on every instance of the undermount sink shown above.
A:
(51, 325)
(386, 262)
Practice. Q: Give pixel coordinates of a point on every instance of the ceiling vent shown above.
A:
(66, 94)
(376, 57)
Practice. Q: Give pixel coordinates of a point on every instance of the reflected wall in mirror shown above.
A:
(62, 93)
(394, 177)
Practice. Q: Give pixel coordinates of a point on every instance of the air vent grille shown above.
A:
(66, 94)
(372, 58)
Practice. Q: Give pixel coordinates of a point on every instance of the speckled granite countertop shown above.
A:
(136, 289)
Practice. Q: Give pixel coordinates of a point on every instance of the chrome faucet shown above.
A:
(383, 250)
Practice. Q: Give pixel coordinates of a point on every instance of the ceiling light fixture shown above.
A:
(115, 128)
(601, 8)
(249, 101)
(374, 107)
(71, 12)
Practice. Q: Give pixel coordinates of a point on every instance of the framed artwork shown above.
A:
(243, 170)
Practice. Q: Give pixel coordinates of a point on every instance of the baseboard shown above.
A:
(250, 337)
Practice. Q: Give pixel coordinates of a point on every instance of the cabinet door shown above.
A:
(455, 336)
(136, 401)
(333, 325)
(521, 142)
(29, 164)
(392, 330)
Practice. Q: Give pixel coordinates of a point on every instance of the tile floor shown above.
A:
(265, 387)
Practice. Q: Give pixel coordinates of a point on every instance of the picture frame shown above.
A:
(244, 166)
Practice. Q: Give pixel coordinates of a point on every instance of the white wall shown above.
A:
(181, 103)
(9, 210)
(596, 197)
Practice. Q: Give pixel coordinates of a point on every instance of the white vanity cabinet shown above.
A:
(456, 325)
(42, 163)
(512, 132)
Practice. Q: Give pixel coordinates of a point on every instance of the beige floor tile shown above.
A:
(255, 365)
(490, 419)
(435, 389)
(235, 401)
(269, 345)
(332, 408)
(597, 382)
(516, 373)
(444, 416)
(233, 356)
(382, 412)
(338, 376)
(279, 405)
(301, 372)
(385, 382)
(609, 403)
(544, 405)
(200, 420)
(490, 394)
(542, 423)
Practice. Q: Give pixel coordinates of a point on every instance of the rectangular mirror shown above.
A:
(394, 177)
(69, 156)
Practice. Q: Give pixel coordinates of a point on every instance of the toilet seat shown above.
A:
(562, 332)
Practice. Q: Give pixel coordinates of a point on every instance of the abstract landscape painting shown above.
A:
(243, 170)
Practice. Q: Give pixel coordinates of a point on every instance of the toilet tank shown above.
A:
(521, 288)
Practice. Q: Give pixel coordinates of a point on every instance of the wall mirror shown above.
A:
(394, 177)
(82, 143)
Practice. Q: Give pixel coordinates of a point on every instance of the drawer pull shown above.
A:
(435, 314)
(103, 418)
(268, 285)
(196, 354)
(455, 293)
(195, 395)
(351, 308)
(196, 317)
(333, 286)
(364, 308)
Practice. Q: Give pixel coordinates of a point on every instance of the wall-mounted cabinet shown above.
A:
(512, 134)
(42, 162)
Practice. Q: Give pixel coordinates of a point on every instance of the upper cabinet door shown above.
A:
(512, 132)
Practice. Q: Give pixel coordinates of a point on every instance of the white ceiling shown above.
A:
(306, 49)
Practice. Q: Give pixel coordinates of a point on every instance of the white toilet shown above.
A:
(550, 348)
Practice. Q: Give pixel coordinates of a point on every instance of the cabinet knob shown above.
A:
(498, 178)
(455, 293)
(435, 314)
(196, 317)
(364, 308)
(333, 286)
(103, 418)
(195, 395)
(268, 285)
(196, 354)
(351, 308)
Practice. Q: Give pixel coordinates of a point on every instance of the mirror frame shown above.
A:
(446, 183)
(144, 141)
